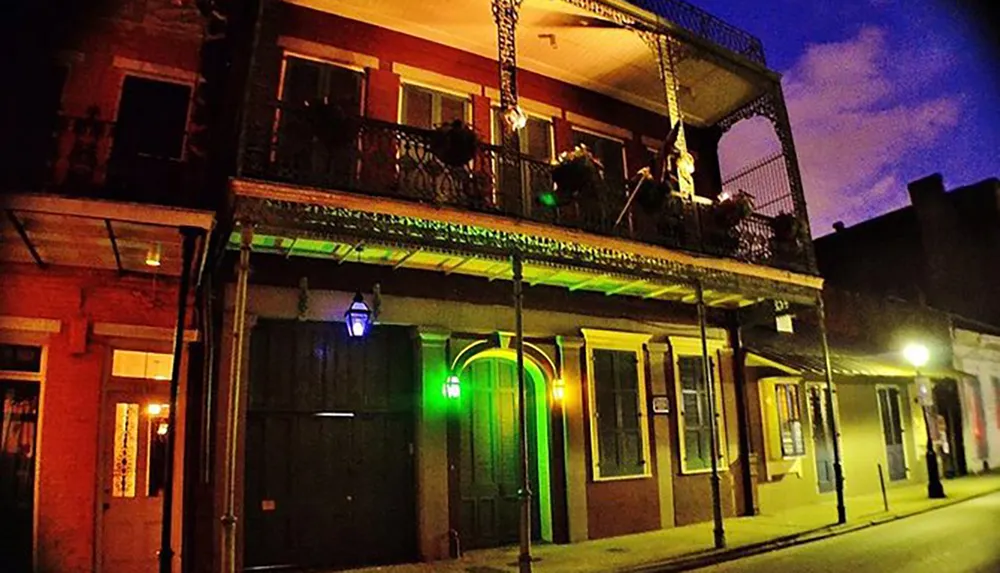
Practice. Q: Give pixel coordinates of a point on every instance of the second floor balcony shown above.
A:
(346, 98)
(383, 159)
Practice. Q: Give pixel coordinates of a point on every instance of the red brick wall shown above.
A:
(68, 437)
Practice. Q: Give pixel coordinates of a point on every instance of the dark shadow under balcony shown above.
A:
(376, 158)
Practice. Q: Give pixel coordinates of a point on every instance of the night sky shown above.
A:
(880, 93)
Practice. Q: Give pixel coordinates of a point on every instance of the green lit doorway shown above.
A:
(489, 454)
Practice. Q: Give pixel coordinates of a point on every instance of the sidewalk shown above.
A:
(691, 546)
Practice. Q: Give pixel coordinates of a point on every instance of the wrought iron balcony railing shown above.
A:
(706, 26)
(83, 161)
(377, 158)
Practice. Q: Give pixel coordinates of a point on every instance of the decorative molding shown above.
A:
(602, 128)
(298, 46)
(279, 209)
(140, 331)
(687, 346)
(29, 324)
(158, 70)
(432, 336)
(434, 80)
(614, 339)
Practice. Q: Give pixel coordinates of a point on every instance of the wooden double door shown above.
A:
(489, 455)
(329, 447)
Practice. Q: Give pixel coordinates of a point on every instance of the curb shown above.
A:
(713, 556)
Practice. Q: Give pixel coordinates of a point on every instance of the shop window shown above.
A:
(789, 408)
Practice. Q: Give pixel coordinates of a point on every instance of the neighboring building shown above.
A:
(330, 451)
(977, 352)
(877, 409)
(90, 256)
(943, 249)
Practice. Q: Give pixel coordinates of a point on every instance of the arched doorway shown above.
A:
(489, 451)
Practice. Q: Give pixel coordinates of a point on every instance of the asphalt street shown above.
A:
(963, 538)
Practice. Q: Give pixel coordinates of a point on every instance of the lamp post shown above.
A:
(918, 355)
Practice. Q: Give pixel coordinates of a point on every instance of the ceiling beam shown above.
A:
(405, 258)
(503, 269)
(545, 278)
(663, 291)
(24, 237)
(460, 263)
(625, 287)
(586, 282)
(343, 258)
(114, 246)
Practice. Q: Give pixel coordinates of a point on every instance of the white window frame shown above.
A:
(435, 103)
(621, 341)
(685, 346)
(901, 394)
(771, 416)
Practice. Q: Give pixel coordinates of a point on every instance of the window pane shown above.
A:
(125, 450)
(452, 109)
(695, 454)
(616, 393)
(538, 139)
(418, 107)
(611, 154)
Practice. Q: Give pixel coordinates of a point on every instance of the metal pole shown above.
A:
(524, 559)
(881, 483)
(935, 489)
(719, 530)
(742, 416)
(838, 468)
(235, 378)
(166, 553)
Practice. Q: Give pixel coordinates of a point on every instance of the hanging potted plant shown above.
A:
(330, 123)
(454, 143)
(577, 173)
(787, 236)
(725, 216)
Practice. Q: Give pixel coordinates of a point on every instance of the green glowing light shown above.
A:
(453, 388)
(548, 199)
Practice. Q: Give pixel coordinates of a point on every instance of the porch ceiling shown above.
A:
(294, 221)
(47, 230)
(373, 253)
(553, 40)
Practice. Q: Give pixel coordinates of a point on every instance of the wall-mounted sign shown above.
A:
(661, 405)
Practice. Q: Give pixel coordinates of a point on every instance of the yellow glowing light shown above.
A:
(724, 196)
(161, 430)
(154, 409)
(515, 118)
(916, 354)
(558, 390)
(153, 255)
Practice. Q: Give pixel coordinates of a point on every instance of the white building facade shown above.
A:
(978, 354)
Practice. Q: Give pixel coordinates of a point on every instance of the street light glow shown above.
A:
(916, 354)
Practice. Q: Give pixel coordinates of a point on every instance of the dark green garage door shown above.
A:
(329, 454)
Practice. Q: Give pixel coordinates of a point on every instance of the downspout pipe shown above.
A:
(229, 518)
(166, 554)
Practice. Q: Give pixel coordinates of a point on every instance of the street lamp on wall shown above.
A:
(358, 317)
(918, 355)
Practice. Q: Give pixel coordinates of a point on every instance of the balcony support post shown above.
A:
(772, 106)
(664, 50)
(505, 13)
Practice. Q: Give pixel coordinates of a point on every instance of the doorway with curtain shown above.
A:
(18, 432)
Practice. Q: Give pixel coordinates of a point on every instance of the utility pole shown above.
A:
(524, 495)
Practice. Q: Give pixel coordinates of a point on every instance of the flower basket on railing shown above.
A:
(788, 236)
(577, 174)
(454, 143)
(721, 227)
(331, 124)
